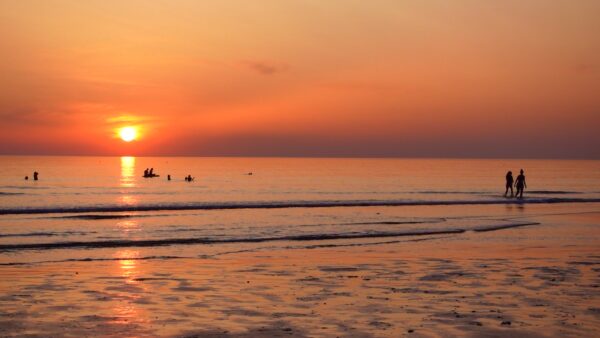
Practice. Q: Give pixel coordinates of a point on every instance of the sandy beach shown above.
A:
(532, 281)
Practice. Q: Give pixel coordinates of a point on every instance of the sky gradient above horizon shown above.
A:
(301, 78)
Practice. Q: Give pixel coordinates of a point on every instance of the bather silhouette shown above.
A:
(509, 184)
(35, 175)
(149, 173)
(520, 184)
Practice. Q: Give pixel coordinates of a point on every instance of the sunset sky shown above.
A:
(301, 78)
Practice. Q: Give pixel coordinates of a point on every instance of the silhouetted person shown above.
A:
(151, 172)
(509, 184)
(146, 172)
(168, 177)
(35, 175)
(189, 178)
(26, 178)
(520, 184)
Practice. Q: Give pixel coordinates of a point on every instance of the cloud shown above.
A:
(126, 118)
(266, 68)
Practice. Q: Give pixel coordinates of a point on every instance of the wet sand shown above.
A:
(533, 281)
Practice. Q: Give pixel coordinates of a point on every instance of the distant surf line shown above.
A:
(286, 204)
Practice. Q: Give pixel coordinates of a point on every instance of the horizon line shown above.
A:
(317, 157)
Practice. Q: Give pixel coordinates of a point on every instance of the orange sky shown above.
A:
(301, 78)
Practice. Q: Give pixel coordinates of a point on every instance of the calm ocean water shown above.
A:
(85, 207)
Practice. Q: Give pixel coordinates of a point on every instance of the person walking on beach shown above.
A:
(520, 184)
(509, 184)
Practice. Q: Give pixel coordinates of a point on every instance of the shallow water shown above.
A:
(103, 203)
(303, 247)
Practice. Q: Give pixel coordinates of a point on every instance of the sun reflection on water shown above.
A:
(127, 312)
(128, 180)
(128, 264)
(128, 226)
(127, 171)
(128, 199)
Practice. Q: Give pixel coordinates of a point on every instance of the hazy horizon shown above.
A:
(312, 157)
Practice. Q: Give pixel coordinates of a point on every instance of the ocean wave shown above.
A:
(442, 192)
(289, 238)
(287, 204)
(46, 234)
(24, 187)
(206, 240)
(94, 217)
(4, 193)
(184, 228)
(552, 192)
(94, 260)
(503, 226)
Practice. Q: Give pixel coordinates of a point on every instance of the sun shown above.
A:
(128, 134)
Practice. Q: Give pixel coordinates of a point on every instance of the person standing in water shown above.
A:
(35, 175)
(520, 184)
(509, 184)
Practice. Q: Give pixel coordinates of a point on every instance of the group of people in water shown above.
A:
(519, 184)
(149, 173)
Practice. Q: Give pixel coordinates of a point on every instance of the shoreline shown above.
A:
(289, 205)
(544, 280)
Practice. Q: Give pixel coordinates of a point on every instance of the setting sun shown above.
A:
(128, 134)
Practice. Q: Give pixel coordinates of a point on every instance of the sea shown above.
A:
(102, 208)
